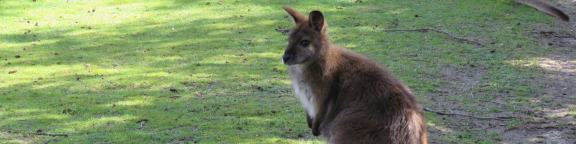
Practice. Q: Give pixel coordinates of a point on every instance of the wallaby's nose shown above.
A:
(286, 57)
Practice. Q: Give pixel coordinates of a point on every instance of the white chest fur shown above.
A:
(302, 90)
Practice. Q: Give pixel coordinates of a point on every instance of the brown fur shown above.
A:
(348, 97)
(547, 8)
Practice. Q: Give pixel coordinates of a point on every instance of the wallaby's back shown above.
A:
(375, 106)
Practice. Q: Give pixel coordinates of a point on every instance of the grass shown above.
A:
(95, 69)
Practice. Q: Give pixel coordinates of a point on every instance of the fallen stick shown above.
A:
(440, 31)
(530, 127)
(484, 118)
(284, 30)
(48, 134)
(141, 123)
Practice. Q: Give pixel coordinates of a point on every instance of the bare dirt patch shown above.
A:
(550, 117)
(553, 122)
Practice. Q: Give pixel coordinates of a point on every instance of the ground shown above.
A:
(116, 71)
(548, 118)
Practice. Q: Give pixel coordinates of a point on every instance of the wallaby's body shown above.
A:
(546, 8)
(348, 97)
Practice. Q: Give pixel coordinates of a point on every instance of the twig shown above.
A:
(484, 118)
(175, 96)
(283, 30)
(48, 134)
(141, 127)
(530, 127)
(440, 31)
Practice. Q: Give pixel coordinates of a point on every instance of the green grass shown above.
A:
(129, 54)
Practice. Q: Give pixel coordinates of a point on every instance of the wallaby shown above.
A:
(546, 8)
(348, 97)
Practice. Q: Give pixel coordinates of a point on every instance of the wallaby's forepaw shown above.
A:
(316, 128)
(315, 132)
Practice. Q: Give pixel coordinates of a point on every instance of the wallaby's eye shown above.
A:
(304, 43)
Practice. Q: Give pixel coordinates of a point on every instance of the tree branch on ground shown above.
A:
(482, 118)
(440, 31)
(49, 134)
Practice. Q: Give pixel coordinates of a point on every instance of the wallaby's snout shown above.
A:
(287, 58)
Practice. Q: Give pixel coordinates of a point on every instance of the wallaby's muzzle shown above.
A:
(287, 59)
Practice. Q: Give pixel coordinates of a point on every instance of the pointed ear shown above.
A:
(297, 16)
(317, 20)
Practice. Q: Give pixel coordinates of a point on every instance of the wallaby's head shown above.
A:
(308, 39)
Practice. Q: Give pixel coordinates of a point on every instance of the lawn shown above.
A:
(121, 71)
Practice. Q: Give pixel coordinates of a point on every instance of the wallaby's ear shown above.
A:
(317, 20)
(296, 15)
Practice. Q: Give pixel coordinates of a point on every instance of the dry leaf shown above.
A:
(256, 87)
(13, 71)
